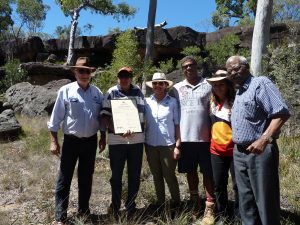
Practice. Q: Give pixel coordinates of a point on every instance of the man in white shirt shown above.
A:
(193, 96)
(77, 107)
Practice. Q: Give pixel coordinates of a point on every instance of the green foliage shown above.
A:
(226, 47)
(228, 9)
(193, 51)
(104, 7)
(32, 13)
(13, 75)
(166, 66)
(284, 66)
(125, 54)
(5, 15)
(286, 10)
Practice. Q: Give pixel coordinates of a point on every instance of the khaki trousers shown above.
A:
(162, 166)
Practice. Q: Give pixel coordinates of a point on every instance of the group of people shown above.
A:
(229, 122)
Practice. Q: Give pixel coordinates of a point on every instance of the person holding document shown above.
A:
(162, 142)
(127, 146)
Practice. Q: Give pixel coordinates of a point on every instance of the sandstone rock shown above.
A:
(33, 100)
(9, 126)
(42, 73)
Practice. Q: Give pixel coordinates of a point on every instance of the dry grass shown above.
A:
(28, 173)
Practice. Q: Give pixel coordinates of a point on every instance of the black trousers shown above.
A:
(221, 166)
(73, 150)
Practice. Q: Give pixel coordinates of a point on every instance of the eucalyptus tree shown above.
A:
(148, 59)
(5, 15)
(261, 34)
(104, 7)
(32, 13)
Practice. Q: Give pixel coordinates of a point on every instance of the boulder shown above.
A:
(33, 100)
(9, 126)
(42, 73)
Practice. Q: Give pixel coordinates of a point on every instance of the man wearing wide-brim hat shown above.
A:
(77, 106)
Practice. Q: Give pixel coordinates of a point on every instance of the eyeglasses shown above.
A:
(235, 68)
(83, 71)
(160, 83)
(188, 65)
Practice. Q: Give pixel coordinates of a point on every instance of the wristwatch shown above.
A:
(270, 139)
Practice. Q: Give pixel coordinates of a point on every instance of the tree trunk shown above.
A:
(149, 38)
(261, 34)
(74, 23)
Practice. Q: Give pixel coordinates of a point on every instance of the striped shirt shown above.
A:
(79, 110)
(116, 92)
(257, 101)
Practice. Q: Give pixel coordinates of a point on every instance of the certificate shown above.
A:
(125, 116)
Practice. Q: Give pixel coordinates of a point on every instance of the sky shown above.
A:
(195, 14)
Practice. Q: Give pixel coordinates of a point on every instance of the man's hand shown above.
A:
(176, 153)
(55, 148)
(102, 144)
(258, 146)
(127, 134)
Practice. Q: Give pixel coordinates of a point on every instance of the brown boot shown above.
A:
(209, 214)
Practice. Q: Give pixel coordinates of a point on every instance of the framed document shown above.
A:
(125, 116)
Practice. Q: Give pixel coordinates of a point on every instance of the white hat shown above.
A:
(219, 75)
(159, 77)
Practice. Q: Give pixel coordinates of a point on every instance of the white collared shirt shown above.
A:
(161, 118)
(78, 110)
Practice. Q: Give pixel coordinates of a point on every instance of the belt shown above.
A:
(73, 137)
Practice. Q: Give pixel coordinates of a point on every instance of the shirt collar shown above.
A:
(246, 84)
(79, 88)
(166, 97)
(186, 83)
(120, 89)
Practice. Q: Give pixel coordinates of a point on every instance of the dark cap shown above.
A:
(125, 70)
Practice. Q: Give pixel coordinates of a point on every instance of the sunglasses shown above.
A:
(160, 83)
(83, 71)
(188, 65)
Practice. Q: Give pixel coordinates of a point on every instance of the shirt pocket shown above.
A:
(75, 107)
(250, 109)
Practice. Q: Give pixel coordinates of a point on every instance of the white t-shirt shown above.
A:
(193, 101)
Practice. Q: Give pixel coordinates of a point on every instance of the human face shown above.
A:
(189, 69)
(220, 89)
(83, 77)
(238, 73)
(124, 81)
(159, 88)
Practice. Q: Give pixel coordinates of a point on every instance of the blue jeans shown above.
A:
(258, 185)
(73, 149)
(119, 154)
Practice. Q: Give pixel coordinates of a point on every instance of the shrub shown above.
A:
(226, 47)
(13, 74)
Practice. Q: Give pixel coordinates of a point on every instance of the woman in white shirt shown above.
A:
(162, 142)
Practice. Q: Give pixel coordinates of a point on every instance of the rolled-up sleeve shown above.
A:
(58, 113)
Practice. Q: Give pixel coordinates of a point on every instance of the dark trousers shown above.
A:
(73, 149)
(258, 185)
(221, 166)
(118, 155)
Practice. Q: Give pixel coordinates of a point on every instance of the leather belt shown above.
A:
(70, 136)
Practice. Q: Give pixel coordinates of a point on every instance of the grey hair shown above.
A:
(188, 58)
(242, 60)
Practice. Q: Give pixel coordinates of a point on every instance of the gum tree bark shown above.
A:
(261, 34)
